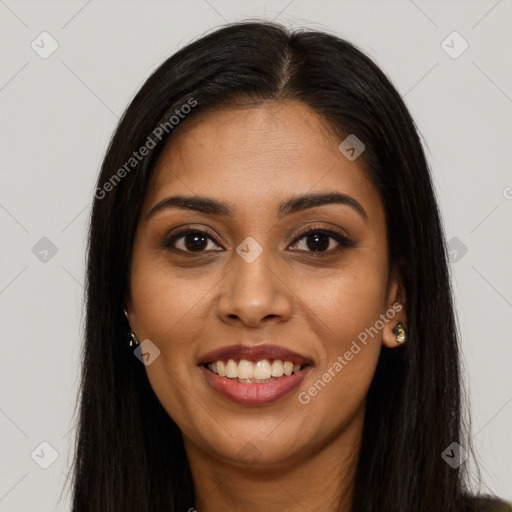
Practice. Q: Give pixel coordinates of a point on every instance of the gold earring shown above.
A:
(133, 338)
(401, 332)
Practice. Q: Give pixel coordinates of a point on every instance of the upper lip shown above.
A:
(254, 353)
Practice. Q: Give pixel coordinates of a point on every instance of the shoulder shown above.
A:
(485, 504)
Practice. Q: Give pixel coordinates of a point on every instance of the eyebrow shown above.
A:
(291, 205)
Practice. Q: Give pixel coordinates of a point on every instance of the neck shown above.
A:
(320, 481)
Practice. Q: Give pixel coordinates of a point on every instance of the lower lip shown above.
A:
(255, 394)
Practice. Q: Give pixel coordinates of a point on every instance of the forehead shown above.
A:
(256, 155)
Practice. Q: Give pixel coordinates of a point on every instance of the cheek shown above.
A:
(168, 302)
(336, 393)
(345, 302)
(170, 312)
(346, 310)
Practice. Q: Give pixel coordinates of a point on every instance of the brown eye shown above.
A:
(190, 240)
(320, 241)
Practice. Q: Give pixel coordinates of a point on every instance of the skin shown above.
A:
(188, 304)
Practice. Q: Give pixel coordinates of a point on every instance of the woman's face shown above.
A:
(251, 278)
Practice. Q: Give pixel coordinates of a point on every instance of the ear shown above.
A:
(395, 308)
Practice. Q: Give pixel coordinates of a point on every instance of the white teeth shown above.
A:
(247, 371)
(262, 370)
(221, 369)
(231, 369)
(277, 368)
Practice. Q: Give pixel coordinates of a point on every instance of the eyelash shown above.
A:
(343, 240)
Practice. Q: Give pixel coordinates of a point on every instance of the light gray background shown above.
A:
(57, 115)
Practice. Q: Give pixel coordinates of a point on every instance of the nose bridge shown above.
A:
(253, 290)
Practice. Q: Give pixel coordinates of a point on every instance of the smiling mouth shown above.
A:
(257, 372)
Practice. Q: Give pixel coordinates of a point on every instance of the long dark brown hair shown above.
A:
(129, 453)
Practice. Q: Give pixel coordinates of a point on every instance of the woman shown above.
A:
(269, 315)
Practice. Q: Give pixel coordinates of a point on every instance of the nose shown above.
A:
(254, 293)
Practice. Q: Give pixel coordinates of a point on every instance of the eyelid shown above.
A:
(337, 232)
